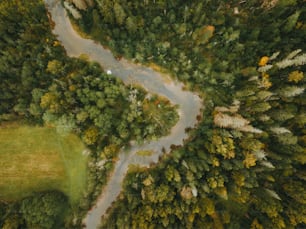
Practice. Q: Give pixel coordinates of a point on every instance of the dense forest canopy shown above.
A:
(244, 166)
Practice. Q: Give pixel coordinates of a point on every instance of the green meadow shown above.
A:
(34, 159)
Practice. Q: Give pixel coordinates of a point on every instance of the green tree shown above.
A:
(45, 210)
(131, 25)
(91, 135)
(12, 222)
(119, 13)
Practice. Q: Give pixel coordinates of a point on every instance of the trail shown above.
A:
(189, 105)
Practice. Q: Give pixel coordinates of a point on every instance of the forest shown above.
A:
(41, 86)
(244, 165)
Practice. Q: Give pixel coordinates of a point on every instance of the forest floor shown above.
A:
(34, 159)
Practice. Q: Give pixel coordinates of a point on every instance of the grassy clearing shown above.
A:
(36, 159)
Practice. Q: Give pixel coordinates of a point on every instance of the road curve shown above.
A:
(189, 105)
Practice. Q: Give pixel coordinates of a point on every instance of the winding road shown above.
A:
(189, 105)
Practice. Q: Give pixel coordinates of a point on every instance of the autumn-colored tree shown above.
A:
(91, 135)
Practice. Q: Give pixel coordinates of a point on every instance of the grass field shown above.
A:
(36, 159)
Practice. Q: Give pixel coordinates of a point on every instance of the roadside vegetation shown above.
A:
(244, 166)
(60, 106)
